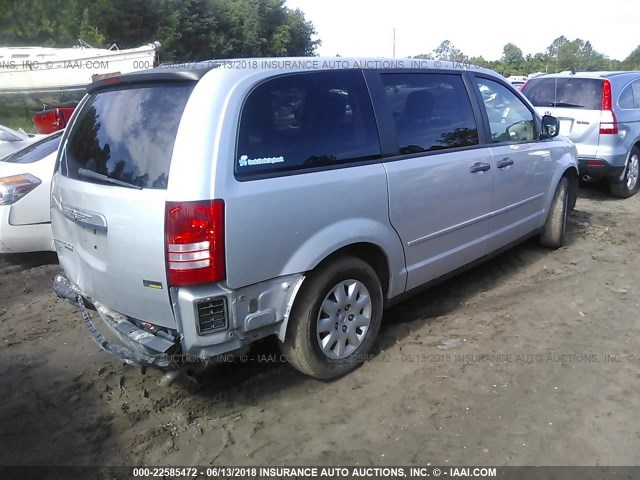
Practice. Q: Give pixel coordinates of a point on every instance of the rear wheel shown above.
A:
(629, 184)
(335, 319)
(553, 232)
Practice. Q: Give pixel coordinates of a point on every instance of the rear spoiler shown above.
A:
(169, 73)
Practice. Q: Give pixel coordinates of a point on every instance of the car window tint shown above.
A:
(626, 98)
(635, 86)
(510, 120)
(431, 111)
(567, 92)
(306, 120)
(127, 134)
(35, 151)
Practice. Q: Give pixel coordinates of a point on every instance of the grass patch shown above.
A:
(17, 118)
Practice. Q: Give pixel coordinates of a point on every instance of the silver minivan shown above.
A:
(198, 210)
(600, 112)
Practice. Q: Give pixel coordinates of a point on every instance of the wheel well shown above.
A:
(369, 253)
(635, 145)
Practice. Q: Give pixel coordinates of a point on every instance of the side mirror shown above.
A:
(550, 127)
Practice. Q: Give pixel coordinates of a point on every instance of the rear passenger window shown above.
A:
(630, 96)
(626, 98)
(431, 111)
(306, 120)
(509, 118)
(636, 93)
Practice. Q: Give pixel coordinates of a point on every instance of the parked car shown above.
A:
(600, 113)
(200, 210)
(12, 140)
(517, 81)
(25, 182)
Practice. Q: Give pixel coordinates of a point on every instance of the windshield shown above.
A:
(567, 92)
(127, 135)
(35, 151)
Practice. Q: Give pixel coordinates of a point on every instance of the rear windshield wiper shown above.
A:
(565, 104)
(83, 172)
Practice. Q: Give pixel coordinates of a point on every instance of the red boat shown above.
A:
(52, 120)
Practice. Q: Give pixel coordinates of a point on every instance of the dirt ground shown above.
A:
(529, 359)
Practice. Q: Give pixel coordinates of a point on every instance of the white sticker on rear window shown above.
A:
(245, 160)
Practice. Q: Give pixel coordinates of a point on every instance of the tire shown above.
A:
(324, 314)
(554, 229)
(630, 184)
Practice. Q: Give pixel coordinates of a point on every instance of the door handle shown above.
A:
(505, 162)
(479, 167)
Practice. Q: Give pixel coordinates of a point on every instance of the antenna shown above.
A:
(394, 43)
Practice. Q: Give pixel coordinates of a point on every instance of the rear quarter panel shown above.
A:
(628, 121)
(564, 155)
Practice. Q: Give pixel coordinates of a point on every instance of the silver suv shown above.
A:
(600, 112)
(200, 210)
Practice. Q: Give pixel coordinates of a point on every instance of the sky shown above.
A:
(360, 28)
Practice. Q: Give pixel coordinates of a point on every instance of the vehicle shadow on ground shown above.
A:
(443, 298)
(23, 261)
(598, 191)
(261, 371)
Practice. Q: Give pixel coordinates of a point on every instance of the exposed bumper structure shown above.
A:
(138, 347)
(250, 313)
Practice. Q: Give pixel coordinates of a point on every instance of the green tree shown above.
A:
(447, 51)
(512, 58)
(480, 62)
(90, 33)
(576, 55)
(632, 62)
(187, 29)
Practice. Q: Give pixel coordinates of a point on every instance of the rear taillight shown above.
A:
(608, 120)
(194, 238)
(15, 187)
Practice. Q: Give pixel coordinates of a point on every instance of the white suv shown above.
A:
(600, 112)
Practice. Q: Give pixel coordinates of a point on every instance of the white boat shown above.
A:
(34, 77)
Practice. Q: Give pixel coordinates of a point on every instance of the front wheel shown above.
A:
(335, 319)
(629, 184)
(555, 227)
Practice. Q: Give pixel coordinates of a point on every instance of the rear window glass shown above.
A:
(36, 151)
(565, 92)
(127, 135)
(306, 120)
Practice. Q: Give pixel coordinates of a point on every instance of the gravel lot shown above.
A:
(525, 360)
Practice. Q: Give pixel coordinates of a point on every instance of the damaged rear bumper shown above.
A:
(137, 347)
